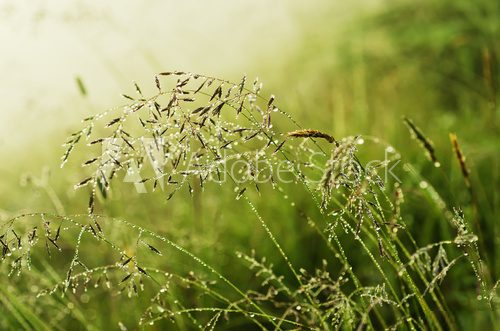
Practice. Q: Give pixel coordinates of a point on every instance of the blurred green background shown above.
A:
(343, 68)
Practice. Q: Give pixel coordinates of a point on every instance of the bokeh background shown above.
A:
(346, 68)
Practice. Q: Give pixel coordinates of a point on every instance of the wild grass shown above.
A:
(200, 135)
(202, 203)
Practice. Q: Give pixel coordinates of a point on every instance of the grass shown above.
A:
(252, 221)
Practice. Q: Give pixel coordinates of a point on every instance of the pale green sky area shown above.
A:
(46, 44)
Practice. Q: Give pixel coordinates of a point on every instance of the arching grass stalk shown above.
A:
(84, 228)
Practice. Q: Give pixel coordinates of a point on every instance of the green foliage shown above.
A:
(338, 246)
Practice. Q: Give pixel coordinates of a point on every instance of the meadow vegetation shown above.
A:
(362, 194)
